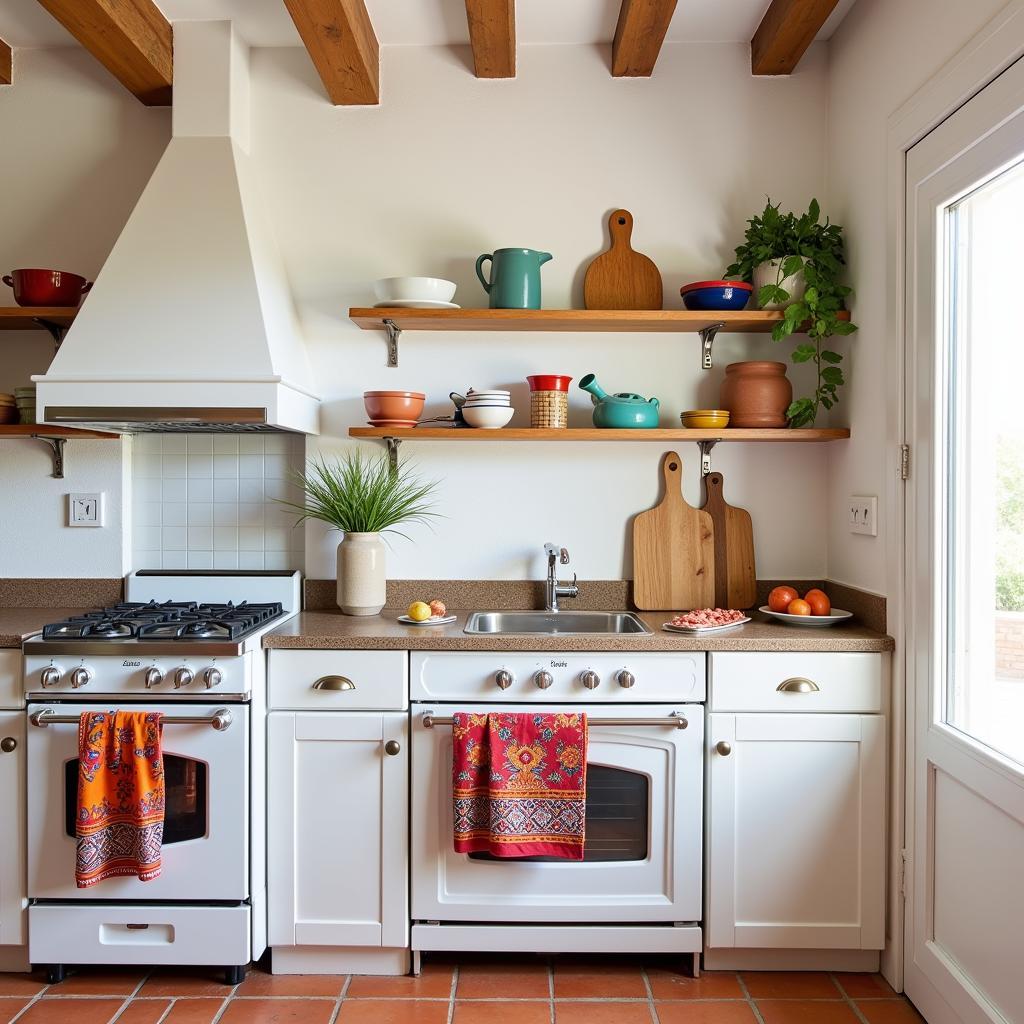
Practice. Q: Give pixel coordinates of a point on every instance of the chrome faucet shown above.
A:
(553, 590)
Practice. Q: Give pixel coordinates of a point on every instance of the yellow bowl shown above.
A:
(705, 419)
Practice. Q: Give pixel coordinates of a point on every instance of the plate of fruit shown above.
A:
(427, 613)
(705, 620)
(813, 609)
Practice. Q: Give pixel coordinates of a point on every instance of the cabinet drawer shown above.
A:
(799, 681)
(380, 680)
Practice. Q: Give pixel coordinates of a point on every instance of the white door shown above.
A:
(338, 812)
(965, 562)
(12, 836)
(796, 831)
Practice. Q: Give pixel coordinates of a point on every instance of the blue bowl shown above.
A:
(716, 295)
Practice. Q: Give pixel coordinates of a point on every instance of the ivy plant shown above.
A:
(801, 244)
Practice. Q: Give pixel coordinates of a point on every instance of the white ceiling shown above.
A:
(430, 22)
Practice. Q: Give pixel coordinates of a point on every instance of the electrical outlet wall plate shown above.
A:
(863, 515)
(85, 509)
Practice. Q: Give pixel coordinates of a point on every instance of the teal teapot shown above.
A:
(619, 411)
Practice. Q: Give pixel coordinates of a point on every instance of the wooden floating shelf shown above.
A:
(43, 430)
(783, 435)
(26, 318)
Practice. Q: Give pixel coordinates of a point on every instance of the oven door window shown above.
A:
(186, 806)
(617, 818)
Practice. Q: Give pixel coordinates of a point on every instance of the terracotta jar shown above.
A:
(757, 394)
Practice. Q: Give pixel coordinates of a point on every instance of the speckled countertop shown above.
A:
(16, 624)
(326, 630)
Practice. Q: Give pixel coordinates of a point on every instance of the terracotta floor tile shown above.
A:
(144, 1011)
(600, 1013)
(192, 1011)
(21, 984)
(805, 1011)
(889, 1011)
(11, 1006)
(502, 980)
(705, 1013)
(710, 985)
(81, 1011)
(274, 1011)
(384, 1011)
(97, 981)
(260, 983)
(435, 982)
(865, 986)
(483, 1012)
(790, 985)
(597, 981)
(194, 982)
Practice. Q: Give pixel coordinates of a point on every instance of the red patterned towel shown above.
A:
(120, 825)
(519, 783)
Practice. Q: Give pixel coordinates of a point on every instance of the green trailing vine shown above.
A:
(802, 244)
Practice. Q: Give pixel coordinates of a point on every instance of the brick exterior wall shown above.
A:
(1010, 645)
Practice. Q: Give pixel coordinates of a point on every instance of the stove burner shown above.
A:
(170, 620)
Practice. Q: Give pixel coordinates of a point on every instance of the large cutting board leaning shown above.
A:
(735, 578)
(622, 278)
(673, 550)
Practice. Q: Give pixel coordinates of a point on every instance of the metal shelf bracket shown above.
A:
(705, 456)
(393, 443)
(57, 449)
(55, 330)
(394, 333)
(707, 338)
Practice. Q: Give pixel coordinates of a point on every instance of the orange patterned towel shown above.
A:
(120, 825)
(519, 782)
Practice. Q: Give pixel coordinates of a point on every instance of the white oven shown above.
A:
(639, 884)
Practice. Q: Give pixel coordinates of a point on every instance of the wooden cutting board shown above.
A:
(735, 578)
(622, 278)
(673, 550)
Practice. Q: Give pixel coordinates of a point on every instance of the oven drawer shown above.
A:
(800, 681)
(116, 934)
(379, 680)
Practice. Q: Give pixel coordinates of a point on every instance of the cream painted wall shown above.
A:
(77, 151)
(884, 36)
(449, 167)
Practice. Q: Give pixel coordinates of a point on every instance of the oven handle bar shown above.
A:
(674, 721)
(221, 719)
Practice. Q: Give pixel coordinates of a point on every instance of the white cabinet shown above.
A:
(12, 835)
(796, 831)
(338, 829)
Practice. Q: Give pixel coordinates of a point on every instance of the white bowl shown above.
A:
(477, 392)
(487, 401)
(490, 417)
(413, 289)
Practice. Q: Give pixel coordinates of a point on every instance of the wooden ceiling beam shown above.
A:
(492, 34)
(130, 38)
(343, 47)
(6, 64)
(785, 32)
(638, 36)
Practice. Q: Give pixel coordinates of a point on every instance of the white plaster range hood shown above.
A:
(190, 325)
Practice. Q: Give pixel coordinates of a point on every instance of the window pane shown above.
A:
(985, 467)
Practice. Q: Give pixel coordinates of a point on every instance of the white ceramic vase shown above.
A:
(768, 273)
(362, 581)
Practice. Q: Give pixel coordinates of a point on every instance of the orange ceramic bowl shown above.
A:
(394, 405)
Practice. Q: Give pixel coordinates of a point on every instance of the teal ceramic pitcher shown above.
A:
(515, 277)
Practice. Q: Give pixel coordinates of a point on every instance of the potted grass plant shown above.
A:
(364, 498)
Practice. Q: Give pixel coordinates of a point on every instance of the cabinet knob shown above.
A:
(392, 747)
(334, 683)
(8, 744)
(725, 749)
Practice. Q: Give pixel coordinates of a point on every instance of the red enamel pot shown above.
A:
(46, 287)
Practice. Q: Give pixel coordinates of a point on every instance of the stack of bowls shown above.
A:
(8, 409)
(487, 409)
(393, 408)
(25, 399)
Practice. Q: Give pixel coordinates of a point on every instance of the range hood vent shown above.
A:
(190, 325)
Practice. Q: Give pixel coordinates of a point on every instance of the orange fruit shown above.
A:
(819, 602)
(781, 598)
(799, 607)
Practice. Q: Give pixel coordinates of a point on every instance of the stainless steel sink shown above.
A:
(556, 623)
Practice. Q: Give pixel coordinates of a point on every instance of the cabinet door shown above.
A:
(796, 832)
(338, 829)
(12, 835)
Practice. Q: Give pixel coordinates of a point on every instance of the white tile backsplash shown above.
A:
(210, 501)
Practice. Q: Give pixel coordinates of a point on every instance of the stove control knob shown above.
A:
(212, 677)
(80, 677)
(153, 677)
(625, 678)
(503, 679)
(50, 676)
(543, 679)
(590, 679)
(182, 677)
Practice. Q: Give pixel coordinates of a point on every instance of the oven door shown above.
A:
(206, 824)
(642, 859)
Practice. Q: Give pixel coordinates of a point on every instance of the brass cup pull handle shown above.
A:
(334, 683)
(392, 747)
(798, 684)
(8, 744)
(725, 749)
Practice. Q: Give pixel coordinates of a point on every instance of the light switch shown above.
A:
(85, 509)
(863, 515)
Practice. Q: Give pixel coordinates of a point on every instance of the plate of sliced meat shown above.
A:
(705, 620)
